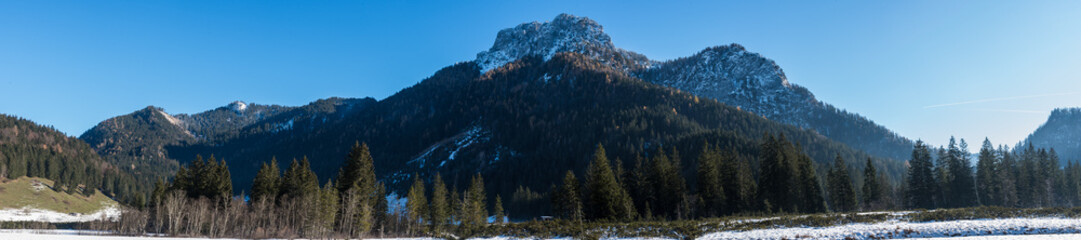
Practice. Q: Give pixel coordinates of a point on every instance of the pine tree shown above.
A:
(417, 202)
(871, 189)
(710, 189)
(811, 200)
(921, 182)
(842, 196)
(500, 217)
(962, 184)
(777, 176)
(477, 202)
(359, 190)
(739, 184)
(440, 209)
(1006, 172)
(987, 184)
(565, 200)
(604, 197)
(328, 206)
(668, 184)
(358, 171)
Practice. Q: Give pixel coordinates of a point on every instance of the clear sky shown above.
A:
(926, 69)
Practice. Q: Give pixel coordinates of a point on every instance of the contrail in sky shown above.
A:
(1001, 99)
(1009, 110)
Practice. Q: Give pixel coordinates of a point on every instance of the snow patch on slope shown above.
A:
(111, 213)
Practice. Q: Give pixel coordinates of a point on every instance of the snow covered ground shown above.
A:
(39, 215)
(902, 229)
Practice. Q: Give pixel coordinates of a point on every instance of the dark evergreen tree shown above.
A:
(842, 195)
(811, 199)
(777, 177)
(872, 191)
(497, 211)
(440, 208)
(566, 202)
(266, 183)
(921, 182)
(604, 196)
(417, 204)
(710, 189)
(962, 187)
(739, 184)
(987, 184)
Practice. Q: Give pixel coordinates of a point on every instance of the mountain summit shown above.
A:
(728, 73)
(565, 33)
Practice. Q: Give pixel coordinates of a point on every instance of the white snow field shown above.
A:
(39, 215)
(1010, 227)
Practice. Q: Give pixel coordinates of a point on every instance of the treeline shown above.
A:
(1027, 178)
(654, 189)
(291, 204)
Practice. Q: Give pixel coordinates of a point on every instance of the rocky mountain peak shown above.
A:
(238, 106)
(565, 33)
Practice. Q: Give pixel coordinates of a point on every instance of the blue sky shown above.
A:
(926, 69)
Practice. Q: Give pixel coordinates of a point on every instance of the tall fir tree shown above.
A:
(604, 196)
(987, 184)
(739, 184)
(872, 191)
(921, 181)
(811, 199)
(842, 195)
(265, 185)
(417, 204)
(566, 202)
(497, 211)
(440, 208)
(710, 189)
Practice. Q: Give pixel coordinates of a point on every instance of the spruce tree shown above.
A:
(921, 182)
(710, 189)
(811, 199)
(871, 189)
(418, 202)
(987, 185)
(328, 206)
(500, 216)
(267, 180)
(962, 187)
(739, 184)
(566, 202)
(842, 196)
(777, 176)
(604, 198)
(440, 208)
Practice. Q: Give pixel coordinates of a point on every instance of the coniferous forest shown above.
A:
(291, 202)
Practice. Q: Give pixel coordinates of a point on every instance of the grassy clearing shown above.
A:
(22, 192)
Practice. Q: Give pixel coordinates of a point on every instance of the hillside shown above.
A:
(29, 149)
(1061, 132)
(41, 194)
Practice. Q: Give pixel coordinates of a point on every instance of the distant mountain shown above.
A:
(522, 124)
(139, 139)
(730, 74)
(1062, 132)
(32, 150)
